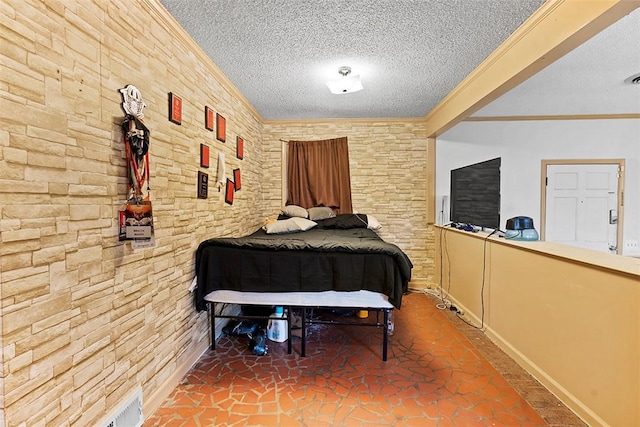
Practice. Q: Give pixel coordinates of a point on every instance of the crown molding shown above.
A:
(553, 117)
(556, 28)
(305, 122)
(169, 22)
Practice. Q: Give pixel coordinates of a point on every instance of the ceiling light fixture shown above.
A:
(634, 80)
(346, 83)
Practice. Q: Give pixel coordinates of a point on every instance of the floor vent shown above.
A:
(129, 414)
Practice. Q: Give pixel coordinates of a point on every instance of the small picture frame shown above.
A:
(230, 190)
(175, 108)
(204, 156)
(237, 183)
(239, 148)
(203, 185)
(208, 118)
(221, 128)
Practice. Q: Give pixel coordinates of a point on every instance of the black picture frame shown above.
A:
(203, 185)
(229, 192)
(175, 108)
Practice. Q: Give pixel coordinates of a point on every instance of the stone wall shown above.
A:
(388, 165)
(86, 319)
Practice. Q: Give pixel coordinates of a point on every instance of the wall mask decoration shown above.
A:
(132, 102)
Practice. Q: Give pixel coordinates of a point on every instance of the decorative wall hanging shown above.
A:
(136, 220)
(239, 148)
(221, 128)
(175, 108)
(203, 185)
(204, 156)
(221, 170)
(136, 139)
(230, 190)
(237, 183)
(208, 118)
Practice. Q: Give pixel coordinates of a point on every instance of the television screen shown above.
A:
(475, 194)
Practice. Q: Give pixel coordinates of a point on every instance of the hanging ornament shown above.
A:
(136, 220)
(132, 102)
(136, 138)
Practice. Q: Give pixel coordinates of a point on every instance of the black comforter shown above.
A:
(332, 256)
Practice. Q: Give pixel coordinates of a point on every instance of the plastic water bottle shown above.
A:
(277, 326)
(390, 325)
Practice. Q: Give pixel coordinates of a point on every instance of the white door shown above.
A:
(581, 205)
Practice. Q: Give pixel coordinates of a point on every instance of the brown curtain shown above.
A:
(318, 174)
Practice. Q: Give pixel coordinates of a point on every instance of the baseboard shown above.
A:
(567, 398)
(570, 401)
(420, 284)
(155, 399)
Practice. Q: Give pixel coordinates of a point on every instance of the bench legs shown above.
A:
(214, 316)
(384, 325)
(305, 323)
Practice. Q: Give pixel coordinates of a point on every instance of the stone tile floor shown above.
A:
(440, 372)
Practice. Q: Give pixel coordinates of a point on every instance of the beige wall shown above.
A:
(86, 319)
(388, 164)
(570, 316)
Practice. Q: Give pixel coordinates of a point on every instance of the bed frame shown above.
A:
(306, 301)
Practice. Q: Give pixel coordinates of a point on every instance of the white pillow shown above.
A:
(289, 225)
(320, 212)
(372, 223)
(295, 211)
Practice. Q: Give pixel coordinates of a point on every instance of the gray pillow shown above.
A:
(372, 223)
(321, 212)
(289, 225)
(294, 210)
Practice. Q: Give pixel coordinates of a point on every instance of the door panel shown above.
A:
(596, 219)
(578, 204)
(563, 226)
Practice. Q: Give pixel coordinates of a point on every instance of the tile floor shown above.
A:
(440, 372)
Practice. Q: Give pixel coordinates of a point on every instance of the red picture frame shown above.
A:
(237, 183)
(239, 148)
(230, 190)
(175, 108)
(204, 156)
(208, 118)
(221, 128)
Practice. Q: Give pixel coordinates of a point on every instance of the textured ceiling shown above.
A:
(587, 80)
(409, 53)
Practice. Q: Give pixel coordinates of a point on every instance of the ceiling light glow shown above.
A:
(345, 83)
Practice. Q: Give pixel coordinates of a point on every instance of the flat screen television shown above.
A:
(475, 194)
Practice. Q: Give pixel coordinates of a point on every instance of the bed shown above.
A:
(292, 259)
